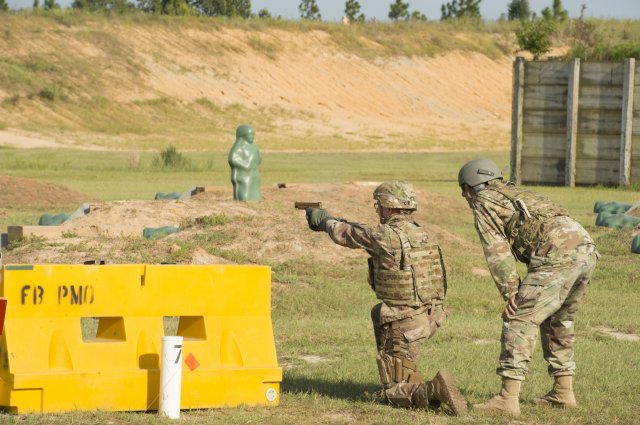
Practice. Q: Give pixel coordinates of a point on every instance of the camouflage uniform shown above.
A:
(560, 255)
(406, 272)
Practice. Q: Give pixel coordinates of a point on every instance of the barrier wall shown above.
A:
(576, 122)
(52, 359)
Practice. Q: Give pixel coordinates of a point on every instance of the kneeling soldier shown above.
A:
(407, 274)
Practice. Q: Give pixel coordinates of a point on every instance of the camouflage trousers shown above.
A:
(398, 344)
(548, 300)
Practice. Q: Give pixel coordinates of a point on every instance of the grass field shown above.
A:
(320, 310)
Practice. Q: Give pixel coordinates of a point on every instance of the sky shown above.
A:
(333, 10)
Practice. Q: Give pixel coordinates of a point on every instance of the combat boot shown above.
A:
(506, 401)
(442, 389)
(419, 397)
(561, 395)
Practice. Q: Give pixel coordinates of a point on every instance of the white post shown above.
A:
(171, 376)
(517, 102)
(573, 93)
(627, 121)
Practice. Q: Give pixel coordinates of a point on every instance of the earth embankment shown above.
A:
(124, 84)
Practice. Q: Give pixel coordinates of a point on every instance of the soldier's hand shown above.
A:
(510, 309)
(316, 218)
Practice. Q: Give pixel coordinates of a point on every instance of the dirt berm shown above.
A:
(294, 84)
(265, 231)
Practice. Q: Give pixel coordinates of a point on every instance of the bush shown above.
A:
(589, 43)
(630, 49)
(535, 36)
(172, 159)
(52, 93)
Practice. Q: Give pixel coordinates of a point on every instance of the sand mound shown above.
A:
(266, 231)
(17, 191)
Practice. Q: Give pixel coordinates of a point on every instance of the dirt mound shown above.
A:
(17, 191)
(266, 231)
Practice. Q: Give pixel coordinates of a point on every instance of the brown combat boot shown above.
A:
(442, 389)
(561, 395)
(506, 401)
(419, 397)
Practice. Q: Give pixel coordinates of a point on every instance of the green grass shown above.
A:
(322, 309)
(110, 176)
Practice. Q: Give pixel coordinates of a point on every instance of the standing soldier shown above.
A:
(516, 224)
(407, 274)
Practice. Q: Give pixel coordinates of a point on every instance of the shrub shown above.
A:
(170, 158)
(535, 36)
(585, 39)
(52, 93)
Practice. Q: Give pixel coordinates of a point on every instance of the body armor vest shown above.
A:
(524, 229)
(421, 278)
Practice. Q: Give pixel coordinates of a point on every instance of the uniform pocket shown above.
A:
(417, 328)
(528, 295)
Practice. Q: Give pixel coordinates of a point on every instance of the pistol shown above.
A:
(304, 205)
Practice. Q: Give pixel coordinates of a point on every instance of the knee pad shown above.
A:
(394, 370)
(385, 368)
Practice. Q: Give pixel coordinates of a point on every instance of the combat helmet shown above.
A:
(396, 194)
(478, 171)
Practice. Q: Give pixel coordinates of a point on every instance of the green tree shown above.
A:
(399, 10)
(50, 5)
(519, 10)
(352, 11)
(535, 36)
(264, 14)
(36, 4)
(461, 9)
(309, 10)
(418, 16)
(228, 8)
(117, 6)
(166, 7)
(557, 12)
(4, 6)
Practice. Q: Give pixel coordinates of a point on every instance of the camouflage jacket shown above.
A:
(554, 240)
(379, 242)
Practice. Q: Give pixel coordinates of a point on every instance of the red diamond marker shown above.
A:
(192, 362)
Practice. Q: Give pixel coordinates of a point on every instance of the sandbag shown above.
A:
(184, 195)
(53, 219)
(635, 245)
(156, 232)
(168, 195)
(57, 219)
(619, 221)
(611, 207)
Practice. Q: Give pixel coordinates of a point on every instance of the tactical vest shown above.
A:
(524, 229)
(421, 278)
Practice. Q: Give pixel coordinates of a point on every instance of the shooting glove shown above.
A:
(317, 218)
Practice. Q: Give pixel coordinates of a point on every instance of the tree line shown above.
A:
(534, 33)
(399, 10)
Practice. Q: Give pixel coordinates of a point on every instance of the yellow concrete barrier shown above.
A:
(53, 360)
